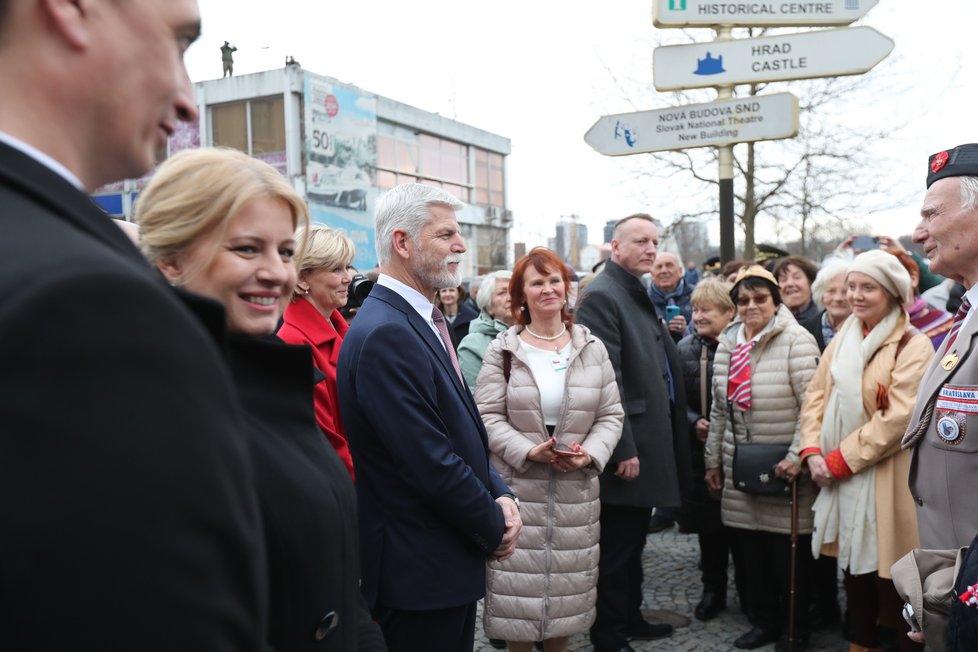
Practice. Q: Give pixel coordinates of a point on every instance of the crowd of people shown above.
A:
(200, 451)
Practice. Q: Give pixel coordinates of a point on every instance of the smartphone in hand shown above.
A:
(865, 243)
(672, 312)
(565, 450)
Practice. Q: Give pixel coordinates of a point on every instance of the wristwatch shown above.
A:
(512, 497)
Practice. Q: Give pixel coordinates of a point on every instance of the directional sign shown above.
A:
(824, 53)
(703, 13)
(763, 117)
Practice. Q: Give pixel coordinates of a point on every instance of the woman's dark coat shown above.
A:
(701, 513)
(307, 502)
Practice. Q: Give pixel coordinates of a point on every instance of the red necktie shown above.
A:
(956, 324)
(442, 326)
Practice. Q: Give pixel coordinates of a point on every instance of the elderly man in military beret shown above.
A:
(944, 428)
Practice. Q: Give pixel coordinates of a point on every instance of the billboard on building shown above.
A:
(341, 159)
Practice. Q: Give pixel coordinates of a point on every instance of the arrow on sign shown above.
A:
(763, 117)
(825, 53)
(706, 13)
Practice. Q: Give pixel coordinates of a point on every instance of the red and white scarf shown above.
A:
(738, 379)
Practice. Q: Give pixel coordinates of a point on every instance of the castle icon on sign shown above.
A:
(709, 65)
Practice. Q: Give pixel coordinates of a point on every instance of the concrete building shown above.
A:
(341, 147)
(570, 237)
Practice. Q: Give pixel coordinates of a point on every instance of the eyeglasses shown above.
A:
(757, 300)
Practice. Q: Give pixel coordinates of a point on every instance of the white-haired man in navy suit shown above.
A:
(432, 507)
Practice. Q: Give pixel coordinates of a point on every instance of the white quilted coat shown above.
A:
(547, 589)
(782, 363)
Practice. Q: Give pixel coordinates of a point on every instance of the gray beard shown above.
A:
(442, 278)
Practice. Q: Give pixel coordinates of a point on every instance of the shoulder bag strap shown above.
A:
(703, 360)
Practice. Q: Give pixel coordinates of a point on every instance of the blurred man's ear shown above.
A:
(72, 19)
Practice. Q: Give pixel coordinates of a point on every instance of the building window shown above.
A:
(406, 156)
(489, 179)
(229, 124)
(266, 117)
(444, 160)
(267, 125)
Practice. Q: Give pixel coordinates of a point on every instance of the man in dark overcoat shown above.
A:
(127, 516)
(650, 464)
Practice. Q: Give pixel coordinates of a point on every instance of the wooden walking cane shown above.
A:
(794, 561)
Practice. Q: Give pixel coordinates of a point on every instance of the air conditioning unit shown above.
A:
(505, 216)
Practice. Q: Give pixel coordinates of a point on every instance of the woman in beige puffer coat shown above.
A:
(546, 590)
(782, 357)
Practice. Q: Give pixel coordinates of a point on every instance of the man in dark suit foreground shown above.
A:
(651, 462)
(126, 510)
(432, 508)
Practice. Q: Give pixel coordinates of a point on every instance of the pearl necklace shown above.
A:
(550, 338)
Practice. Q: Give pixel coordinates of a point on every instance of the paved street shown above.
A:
(672, 584)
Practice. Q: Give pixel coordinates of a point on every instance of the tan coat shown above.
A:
(547, 589)
(782, 363)
(877, 442)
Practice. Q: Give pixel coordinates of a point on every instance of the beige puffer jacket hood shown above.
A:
(547, 588)
(782, 363)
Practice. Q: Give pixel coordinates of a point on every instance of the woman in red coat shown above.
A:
(313, 318)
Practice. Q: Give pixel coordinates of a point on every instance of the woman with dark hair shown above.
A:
(458, 312)
(795, 276)
(761, 370)
(548, 396)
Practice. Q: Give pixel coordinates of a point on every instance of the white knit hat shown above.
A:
(887, 270)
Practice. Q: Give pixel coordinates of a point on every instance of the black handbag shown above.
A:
(753, 466)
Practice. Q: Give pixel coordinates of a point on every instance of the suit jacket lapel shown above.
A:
(435, 346)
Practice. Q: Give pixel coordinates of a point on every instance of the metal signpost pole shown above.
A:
(725, 177)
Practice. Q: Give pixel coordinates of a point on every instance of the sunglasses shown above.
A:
(758, 300)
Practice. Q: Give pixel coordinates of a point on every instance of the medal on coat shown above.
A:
(949, 361)
(950, 428)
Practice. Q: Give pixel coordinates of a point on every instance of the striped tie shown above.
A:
(956, 324)
(738, 380)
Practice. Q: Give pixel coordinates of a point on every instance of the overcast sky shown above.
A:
(541, 72)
